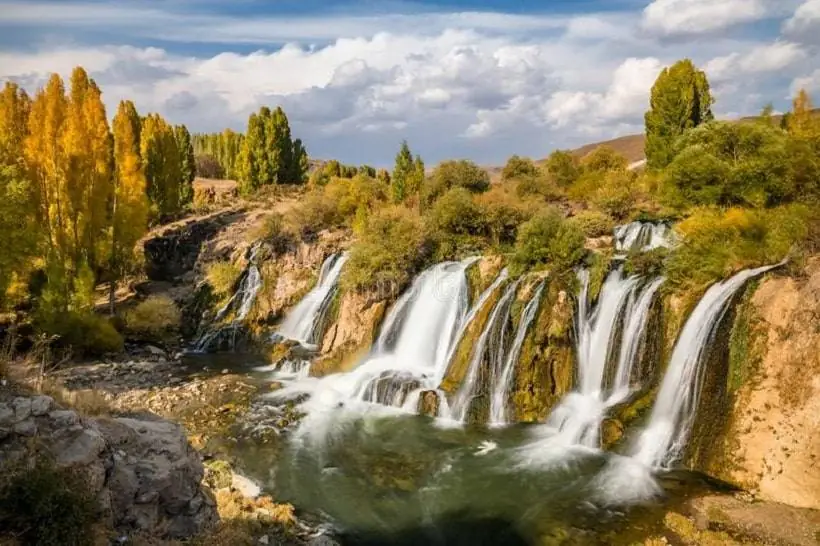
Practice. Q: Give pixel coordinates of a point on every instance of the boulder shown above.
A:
(145, 473)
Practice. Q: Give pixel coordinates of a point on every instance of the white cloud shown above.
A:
(764, 58)
(805, 21)
(679, 17)
(810, 83)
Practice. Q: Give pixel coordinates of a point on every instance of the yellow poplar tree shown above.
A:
(802, 122)
(130, 202)
(18, 225)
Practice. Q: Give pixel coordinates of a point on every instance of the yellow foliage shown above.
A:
(154, 319)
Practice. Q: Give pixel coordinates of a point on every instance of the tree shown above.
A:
(130, 203)
(301, 163)
(268, 154)
(518, 167)
(402, 171)
(252, 156)
(187, 164)
(455, 174)
(604, 159)
(161, 164)
(680, 100)
(803, 123)
(563, 168)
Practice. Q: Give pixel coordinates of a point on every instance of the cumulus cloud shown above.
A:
(462, 84)
(810, 83)
(764, 58)
(681, 17)
(806, 20)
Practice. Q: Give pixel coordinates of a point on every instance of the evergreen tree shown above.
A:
(187, 164)
(130, 202)
(680, 99)
(402, 172)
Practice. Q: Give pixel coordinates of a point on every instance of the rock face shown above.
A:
(144, 473)
(175, 251)
(771, 443)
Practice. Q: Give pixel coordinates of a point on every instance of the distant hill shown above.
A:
(629, 146)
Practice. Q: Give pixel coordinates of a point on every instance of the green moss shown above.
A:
(599, 266)
(746, 342)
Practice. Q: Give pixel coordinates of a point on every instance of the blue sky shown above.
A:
(480, 79)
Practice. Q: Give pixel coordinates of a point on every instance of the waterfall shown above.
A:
(240, 304)
(663, 440)
(503, 384)
(642, 236)
(409, 357)
(305, 322)
(637, 315)
(489, 346)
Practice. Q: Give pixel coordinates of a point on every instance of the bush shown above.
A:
(275, 232)
(517, 167)
(548, 239)
(453, 174)
(603, 159)
(616, 195)
(315, 213)
(47, 506)
(647, 263)
(716, 244)
(84, 331)
(155, 319)
(393, 247)
(563, 168)
(538, 185)
(593, 223)
(222, 277)
(503, 211)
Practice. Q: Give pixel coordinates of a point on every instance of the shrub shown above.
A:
(538, 185)
(603, 159)
(717, 243)
(452, 174)
(84, 331)
(593, 223)
(222, 277)
(393, 247)
(275, 232)
(155, 319)
(503, 211)
(47, 506)
(647, 263)
(562, 168)
(315, 213)
(616, 195)
(517, 167)
(548, 239)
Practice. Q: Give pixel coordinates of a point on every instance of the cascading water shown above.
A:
(409, 357)
(642, 236)
(305, 322)
(503, 384)
(240, 304)
(490, 346)
(664, 438)
(635, 325)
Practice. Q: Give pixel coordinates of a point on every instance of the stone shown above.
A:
(22, 408)
(322, 540)
(26, 428)
(6, 415)
(41, 405)
(81, 447)
(154, 351)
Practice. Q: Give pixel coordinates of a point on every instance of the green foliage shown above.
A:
(680, 100)
(456, 222)
(269, 155)
(593, 223)
(408, 175)
(538, 186)
(616, 194)
(454, 174)
(47, 506)
(155, 319)
(85, 332)
(646, 264)
(736, 164)
(187, 164)
(503, 211)
(222, 277)
(390, 250)
(18, 244)
(717, 243)
(548, 239)
(603, 159)
(563, 168)
(517, 167)
(274, 230)
(599, 267)
(224, 148)
(161, 165)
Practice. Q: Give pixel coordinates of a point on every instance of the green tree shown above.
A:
(563, 168)
(680, 100)
(187, 164)
(161, 164)
(402, 171)
(548, 239)
(518, 167)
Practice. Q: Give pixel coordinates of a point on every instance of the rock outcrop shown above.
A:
(144, 473)
(771, 442)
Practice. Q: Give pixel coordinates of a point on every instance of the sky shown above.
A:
(475, 79)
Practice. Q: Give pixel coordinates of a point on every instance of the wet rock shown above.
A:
(154, 351)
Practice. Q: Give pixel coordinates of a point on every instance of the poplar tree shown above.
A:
(252, 167)
(802, 122)
(18, 243)
(680, 99)
(130, 202)
(162, 165)
(402, 172)
(187, 164)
